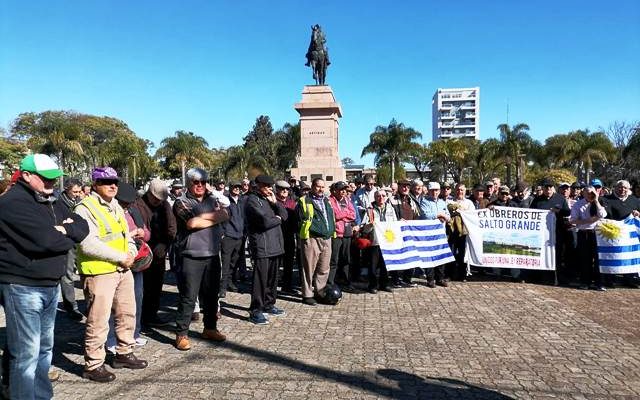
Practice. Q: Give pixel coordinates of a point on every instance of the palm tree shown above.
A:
(514, 140)
(579, 150)
(390, 144)
(184, 148)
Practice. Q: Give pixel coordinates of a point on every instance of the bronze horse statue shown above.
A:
(318, 55)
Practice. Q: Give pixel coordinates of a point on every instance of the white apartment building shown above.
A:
(456, 113)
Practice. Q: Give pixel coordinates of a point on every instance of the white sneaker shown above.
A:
(141, 341)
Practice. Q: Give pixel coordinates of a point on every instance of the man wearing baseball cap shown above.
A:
(36, 234)
(105, 257)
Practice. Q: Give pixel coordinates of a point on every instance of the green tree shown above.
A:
(515, 141)
(390, 145)
(580, 151)
(57, 133)
(181, 149)
(451, 157)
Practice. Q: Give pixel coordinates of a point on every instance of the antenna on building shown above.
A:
(507, 111)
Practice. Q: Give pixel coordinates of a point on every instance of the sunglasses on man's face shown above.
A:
(196, 183)
(101, 182)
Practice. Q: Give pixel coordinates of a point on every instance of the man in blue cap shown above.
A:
(36, 233)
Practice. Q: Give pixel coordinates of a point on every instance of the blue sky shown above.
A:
(214, 67)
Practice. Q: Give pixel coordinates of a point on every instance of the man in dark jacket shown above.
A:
(620, 205)
(231, 246)
(550, 200)
(36, 233)
(317, 226)
(264, 217)
(70, 197)
(158, 216)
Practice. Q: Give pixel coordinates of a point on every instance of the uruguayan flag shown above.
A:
(619, 246)
(413, 244)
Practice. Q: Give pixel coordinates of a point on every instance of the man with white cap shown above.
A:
(435, 208)
(36, 233)
(157, 214)
(105, 257)
(199, 216)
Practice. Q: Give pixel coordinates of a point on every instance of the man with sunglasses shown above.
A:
(199, 215)
(105, 257)
(36, 233)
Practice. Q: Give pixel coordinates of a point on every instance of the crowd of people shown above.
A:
(120, 240)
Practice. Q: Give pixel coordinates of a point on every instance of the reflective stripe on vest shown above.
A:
(112, 232)
(306, 222)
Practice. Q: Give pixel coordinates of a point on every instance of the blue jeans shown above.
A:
(138, 291)
(30, 316)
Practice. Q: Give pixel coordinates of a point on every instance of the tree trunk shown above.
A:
(393, 169)
(183, 166)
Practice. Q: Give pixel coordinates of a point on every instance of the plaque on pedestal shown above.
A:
(319, 115)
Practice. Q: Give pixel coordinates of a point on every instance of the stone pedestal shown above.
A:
(319, 115)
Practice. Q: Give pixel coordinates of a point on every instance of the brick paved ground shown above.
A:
(477, 340)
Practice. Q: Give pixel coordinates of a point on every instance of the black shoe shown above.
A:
(409, 284)
(232, 287)
(431, 284)
(372, 290)
(100, 374)
(351, 289)
(128, 360)
(386, 289)
(310, 301)
(443, 283)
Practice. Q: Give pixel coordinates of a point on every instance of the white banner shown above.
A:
(413, 244)
(506, 237)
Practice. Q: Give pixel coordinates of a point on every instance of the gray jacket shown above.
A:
(196, 242)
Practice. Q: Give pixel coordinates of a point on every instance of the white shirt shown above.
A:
(580, 210)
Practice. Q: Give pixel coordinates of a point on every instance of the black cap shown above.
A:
(340, 185)
(547, 182)
(126, 193)
(479, 188)
(304, 186)
(264, 180)
(177, 183)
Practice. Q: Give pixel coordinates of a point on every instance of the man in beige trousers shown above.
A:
(105, 257)
(316, 228)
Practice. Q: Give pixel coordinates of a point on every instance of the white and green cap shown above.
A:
(42, 165)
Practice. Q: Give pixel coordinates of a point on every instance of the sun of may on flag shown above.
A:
(413, 244)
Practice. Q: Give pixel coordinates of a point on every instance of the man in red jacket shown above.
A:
(345, 215)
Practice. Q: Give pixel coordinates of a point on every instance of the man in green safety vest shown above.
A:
(104, 260)
(316, 228)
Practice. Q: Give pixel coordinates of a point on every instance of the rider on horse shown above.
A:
(317, 43)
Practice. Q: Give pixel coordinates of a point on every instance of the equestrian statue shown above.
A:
(318, 55)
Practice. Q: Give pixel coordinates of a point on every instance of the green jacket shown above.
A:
(312, 219)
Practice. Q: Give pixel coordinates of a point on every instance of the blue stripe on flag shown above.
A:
(418, 258)
(422, 238)
(431, 227)
(619, 263)
(416, 248)
(618, 249)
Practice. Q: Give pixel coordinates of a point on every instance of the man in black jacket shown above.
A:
(619, 205)
(264, 215)
(554, 202)
(231, 245)
(36, 233)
